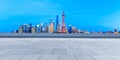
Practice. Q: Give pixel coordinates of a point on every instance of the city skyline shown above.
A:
(51, 27)
(89, 15)
(54, 26)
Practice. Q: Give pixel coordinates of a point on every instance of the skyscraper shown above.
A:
(63, 23)
(33, 30)
(59, 28)
(73, 29)
(57, 23)
(37, 28)
(70, 29)
(116, 31)
(41, 27)
(46, 27)
(51, 26)
(24, 28)
(30, 28)
(20, 29)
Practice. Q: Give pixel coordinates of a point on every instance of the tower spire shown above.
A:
(63, 23)
(57, 22)
(63, 17)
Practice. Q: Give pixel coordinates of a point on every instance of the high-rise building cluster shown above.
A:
(51, 27)
(55, 27)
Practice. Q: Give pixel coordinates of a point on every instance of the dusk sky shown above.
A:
(84, 14)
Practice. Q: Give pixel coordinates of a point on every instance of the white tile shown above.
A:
(59, 49)
(104, 57)
(12, 57)
(49, 57)
(31, 57)
(84, 57)
(67, 57)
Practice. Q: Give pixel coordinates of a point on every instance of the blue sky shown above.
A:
(85, 14)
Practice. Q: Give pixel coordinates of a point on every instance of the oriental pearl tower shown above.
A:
(63, 23)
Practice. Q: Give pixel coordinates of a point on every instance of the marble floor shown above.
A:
(59, 49)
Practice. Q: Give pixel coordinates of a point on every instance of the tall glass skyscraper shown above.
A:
(57, 23)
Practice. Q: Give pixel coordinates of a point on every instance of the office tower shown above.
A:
(17, 31)
(49, 28)
(116, 31)
(52, 27)
(46, 28)
(41, 27)
(66, 30)
(30, 28)
(63, 23)
(20, 29)
(74, 29)
(33, 30)
(70, 29)
(57, 23)
(59, 28)
(37, 28)
(27, 28)
(24, 28)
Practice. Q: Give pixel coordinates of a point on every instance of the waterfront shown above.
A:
(56, 35)
(59, 49)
